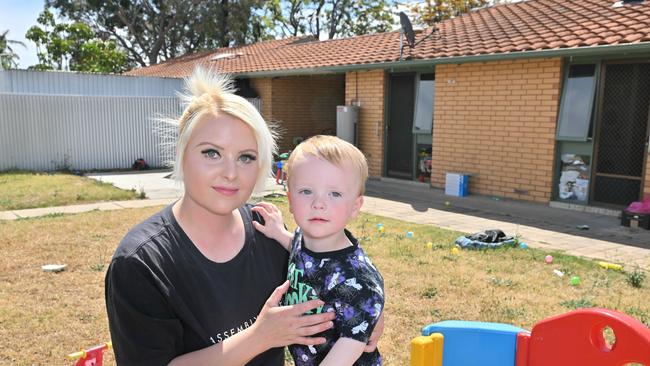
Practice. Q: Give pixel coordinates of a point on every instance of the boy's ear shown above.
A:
(289, 199)
(356, 208)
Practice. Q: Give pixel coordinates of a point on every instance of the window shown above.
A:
(577, 103)
(423, 120)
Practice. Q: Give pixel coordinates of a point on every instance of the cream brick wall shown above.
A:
(301, 106)
(497, 121)
(367, 88)
(646, 189)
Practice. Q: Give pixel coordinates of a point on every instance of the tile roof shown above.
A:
(531, 25)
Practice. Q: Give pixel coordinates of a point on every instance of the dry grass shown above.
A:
(44, 316)
(19, 190)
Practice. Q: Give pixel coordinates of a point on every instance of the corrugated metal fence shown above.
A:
(52, 132)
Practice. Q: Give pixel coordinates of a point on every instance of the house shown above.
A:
(539, 100)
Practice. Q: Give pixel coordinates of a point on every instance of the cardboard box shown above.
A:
(632, 219)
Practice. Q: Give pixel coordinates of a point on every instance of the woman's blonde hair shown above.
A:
(334, 150)
(210, 93)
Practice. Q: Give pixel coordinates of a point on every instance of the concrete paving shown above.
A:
(540, 226)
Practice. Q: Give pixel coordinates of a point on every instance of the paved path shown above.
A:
(419, 207)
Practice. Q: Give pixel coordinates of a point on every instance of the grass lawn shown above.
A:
(20, 190)
(45, 316)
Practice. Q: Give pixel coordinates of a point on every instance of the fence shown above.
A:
(54, 132)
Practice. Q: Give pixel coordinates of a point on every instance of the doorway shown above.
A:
(399, 137)
(621, 146)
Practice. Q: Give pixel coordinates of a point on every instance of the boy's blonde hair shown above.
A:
(334, 150)
(209, 93)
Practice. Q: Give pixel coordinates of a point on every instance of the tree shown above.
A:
(7, 55)
(154, 30)
(334, 18)
(74, 44)
(429, 12)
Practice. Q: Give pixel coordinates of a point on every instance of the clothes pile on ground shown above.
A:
(487, 239)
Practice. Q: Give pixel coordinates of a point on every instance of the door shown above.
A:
(622, 137)
(399, 128)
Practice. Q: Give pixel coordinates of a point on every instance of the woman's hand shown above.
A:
(273, 225)
(279, 326)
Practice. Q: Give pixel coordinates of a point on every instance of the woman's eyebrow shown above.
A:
(209, 143)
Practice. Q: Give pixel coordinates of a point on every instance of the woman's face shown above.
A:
(220, 166)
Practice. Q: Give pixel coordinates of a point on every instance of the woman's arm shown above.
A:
(273, 225)
(276, 326)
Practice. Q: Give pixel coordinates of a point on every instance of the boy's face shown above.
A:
(322, 196)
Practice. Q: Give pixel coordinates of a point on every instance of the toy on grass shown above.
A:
(573, 338)
(410, 234)
(91, 357)
(574, 281)
(455, 250)
(380, 228)
(429, 245)
(548, 259)
(558, 273)
(607, 265)
(523, 245)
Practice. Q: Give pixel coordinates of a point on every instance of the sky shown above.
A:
(18, 16)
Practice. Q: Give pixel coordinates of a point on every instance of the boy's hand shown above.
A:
(273, 225)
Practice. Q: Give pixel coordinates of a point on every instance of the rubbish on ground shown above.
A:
(485, 239)
(607, 265)
(548, 259)
(558, 272)
(575, 281)
(53, 267)
(447, 203)
(582, 227)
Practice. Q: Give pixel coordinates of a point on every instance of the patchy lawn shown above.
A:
(45, 316)
(19, 190)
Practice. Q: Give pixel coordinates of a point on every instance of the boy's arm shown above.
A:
(273, 226)
(345, 352)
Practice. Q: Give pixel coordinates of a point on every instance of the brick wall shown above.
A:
(497, 121)
(646, 189)
(302, 106)
(367, 88)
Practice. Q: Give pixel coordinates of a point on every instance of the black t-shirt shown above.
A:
(164, 298)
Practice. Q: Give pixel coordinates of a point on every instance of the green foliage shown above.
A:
(153, 31)
(635, 278)
(577, 304)
(336, 18)
(76, 44)
(7, 55)
(429, 12)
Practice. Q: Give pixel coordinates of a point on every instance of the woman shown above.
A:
(196, 283)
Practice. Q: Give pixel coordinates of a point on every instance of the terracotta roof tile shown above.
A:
(530, 25)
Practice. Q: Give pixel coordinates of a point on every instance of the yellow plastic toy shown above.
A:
(427, 350)
(607, 265)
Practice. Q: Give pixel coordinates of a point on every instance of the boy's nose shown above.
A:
(318, 203)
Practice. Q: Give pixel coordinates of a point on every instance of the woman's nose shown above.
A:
(229, 169)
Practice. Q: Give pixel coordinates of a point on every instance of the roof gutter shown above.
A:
(634, 49)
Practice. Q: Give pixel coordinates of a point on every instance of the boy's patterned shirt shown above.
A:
(348, 283)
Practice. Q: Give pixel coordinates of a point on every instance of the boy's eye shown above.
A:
(211, 153)
(336, 194)
(305, 191)
(247, 158)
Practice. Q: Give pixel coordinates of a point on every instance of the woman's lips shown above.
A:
(226, 191)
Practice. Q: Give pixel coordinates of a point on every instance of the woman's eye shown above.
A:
(247, 158)
(211, 153)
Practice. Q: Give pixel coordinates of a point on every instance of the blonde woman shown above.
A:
(196, 283)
